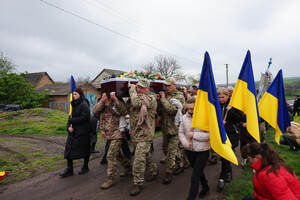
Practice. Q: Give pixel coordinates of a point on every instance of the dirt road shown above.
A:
(51, 186)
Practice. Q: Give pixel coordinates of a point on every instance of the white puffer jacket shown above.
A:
(200, 141)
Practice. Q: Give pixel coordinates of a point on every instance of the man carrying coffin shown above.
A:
(141, 107)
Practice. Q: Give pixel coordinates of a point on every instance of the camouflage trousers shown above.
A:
(165, 144)
(114, 154)
(142, 160)
(173, 155)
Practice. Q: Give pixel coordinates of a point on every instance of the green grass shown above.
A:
(25, 160)
(243, 186)
(34, 121)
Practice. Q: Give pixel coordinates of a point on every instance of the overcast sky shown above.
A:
(81, 37)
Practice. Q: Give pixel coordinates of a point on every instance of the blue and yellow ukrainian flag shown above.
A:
(244, 97)
(272, 107)
(72, 87)
(207, 113)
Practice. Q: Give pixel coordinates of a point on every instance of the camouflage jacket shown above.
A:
(133, 107)
(168, 111)
(109, 120)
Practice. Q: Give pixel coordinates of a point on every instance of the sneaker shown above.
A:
(108, 183)
(294, 149)
(126, 172)
(244, 162)
(136, 190)
(186, 165)
(221, 184)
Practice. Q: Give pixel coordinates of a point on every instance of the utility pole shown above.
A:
(226, 74)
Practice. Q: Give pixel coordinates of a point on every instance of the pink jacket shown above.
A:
(200, 141)
(283, 186)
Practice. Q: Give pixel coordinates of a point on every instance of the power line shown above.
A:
(117, 33)
(135, 23)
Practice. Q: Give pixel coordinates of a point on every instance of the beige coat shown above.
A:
(294, 131)
(200, 141)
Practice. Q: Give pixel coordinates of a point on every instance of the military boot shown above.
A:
(168, 178)
(108, 183)
(163, 160)
(150, 177)
(126, 172)
(136, 190)
(178, 171)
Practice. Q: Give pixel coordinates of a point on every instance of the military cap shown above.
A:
(195, 85)
(170, 81)
(143, 83)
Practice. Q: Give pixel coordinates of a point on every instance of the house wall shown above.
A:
(45, 80)
(58, 102)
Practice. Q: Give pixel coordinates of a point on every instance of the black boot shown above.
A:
(204, 191)
(85, 167)
(69, 170)
(93, 150)
(151, 148)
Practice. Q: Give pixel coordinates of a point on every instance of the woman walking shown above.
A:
(78, 141)
(196, 142)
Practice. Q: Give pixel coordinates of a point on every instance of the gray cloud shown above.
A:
(42, 38)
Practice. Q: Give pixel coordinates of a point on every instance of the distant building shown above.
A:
(60, 95)
(39, 79)
(104, 73)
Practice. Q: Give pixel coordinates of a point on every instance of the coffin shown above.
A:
(121, 86)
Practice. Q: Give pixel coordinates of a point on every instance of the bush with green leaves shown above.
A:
(15, 90)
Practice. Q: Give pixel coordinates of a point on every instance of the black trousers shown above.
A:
(198, 161)
(226, 167)
(125, 149)
(288, 140)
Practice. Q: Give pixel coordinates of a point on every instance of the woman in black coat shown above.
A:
(78, 141)
(233, 119)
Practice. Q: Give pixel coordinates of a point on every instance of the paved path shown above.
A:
(51, 186)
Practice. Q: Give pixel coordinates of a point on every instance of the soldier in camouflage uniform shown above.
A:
(109, 124)
(141, 136)
(168, 112)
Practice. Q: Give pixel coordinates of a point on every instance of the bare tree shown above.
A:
(180, 77)
(149, 68)
(82, 80)
(167, 66)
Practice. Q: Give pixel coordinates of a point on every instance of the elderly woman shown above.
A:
(78, 141)
(233, 119)
(273, 178)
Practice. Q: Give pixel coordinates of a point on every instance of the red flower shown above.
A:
(159, 77)
(2, 174)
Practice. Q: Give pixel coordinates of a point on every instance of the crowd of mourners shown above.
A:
(182, 146)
